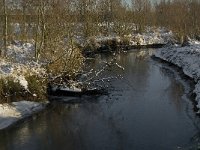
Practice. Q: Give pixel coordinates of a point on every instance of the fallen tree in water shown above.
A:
(85, 83)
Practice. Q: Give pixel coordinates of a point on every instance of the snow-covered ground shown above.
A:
(149, 37)
(19, 62)
(187, 58)
(156, 36)
(12, 113)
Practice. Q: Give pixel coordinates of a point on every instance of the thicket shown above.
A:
(49, 22)
(181, 16)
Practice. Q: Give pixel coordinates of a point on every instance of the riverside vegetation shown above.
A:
(44, 40)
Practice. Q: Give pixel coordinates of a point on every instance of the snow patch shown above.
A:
(151, 36)
(20, 52)
(11, 113)
(23, 82)
(20, 62)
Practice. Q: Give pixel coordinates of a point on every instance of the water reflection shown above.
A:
(146, 109)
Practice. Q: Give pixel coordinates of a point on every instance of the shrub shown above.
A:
(69, 63)
(10, 90)
(37, 87)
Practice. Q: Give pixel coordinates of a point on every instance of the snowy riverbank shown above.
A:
(16, 111)
(20, 63)
(152, 36)
(18, 66)
(187, 58)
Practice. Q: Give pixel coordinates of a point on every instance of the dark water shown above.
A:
(148, 109)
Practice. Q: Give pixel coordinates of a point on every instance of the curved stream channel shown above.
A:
(147, 109)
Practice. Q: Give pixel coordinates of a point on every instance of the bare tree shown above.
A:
(142, 9)
(181, 16)
(5, 35)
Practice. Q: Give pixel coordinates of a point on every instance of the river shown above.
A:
(148, 108)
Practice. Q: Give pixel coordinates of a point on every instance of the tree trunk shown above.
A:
(5, 28)
(37, 35)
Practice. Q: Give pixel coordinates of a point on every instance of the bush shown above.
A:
(10, 90)
(37, 88)
(69, 63)
(125, 40)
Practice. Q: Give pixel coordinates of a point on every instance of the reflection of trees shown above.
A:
(68, 127)
(135, 63)
(96, 119)
(136, 67)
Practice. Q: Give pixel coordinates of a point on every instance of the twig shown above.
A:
(119, 66)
